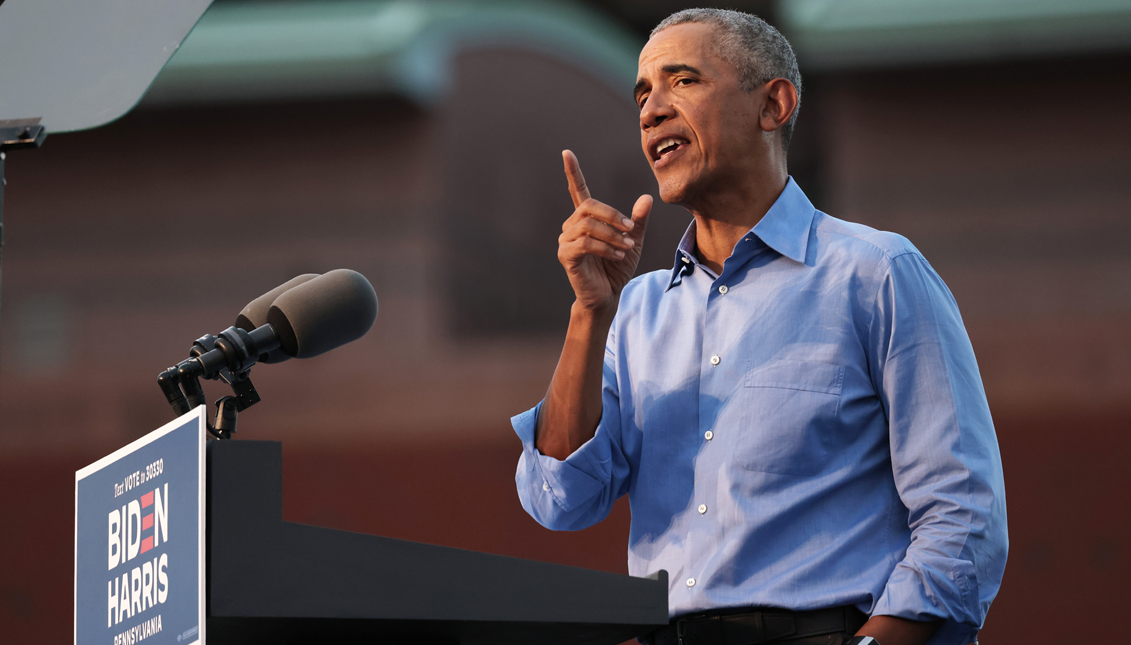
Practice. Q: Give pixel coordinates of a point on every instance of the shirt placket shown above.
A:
(719, 373)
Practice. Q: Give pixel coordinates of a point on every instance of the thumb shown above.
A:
(640, 212)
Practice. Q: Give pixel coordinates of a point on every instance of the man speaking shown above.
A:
(794, 409)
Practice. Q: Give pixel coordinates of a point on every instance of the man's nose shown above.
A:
(656, 110)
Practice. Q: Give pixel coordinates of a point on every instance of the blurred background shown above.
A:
(418, 143)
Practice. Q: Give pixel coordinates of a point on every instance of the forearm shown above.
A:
(572, 408)
(889, 630)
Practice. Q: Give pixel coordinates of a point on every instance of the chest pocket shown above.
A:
(789, 417)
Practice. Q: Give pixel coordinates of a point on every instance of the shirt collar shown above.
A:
(784, 228)
(685, 260)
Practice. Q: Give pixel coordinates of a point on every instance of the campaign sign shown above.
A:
(139, 540)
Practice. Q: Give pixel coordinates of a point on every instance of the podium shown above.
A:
(270, 581)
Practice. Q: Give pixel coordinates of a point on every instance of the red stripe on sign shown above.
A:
(147, 544)
(147, 499)
(147, 522)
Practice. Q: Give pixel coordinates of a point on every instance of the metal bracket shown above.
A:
(246, 395)
(16, 134)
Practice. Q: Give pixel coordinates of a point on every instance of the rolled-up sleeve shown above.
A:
(580, 491)
(944, 451)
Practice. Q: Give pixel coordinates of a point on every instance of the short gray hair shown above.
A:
(758, 51)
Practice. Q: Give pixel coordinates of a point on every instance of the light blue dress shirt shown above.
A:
(806, 430)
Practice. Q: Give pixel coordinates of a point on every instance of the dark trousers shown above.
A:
(840, 638)
(758, 626)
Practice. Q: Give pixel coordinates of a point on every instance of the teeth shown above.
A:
(665, 144)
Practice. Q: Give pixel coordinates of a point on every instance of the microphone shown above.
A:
(308, 316)
(324, 313)
(304, 317)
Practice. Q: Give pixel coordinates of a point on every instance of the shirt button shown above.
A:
(715, 359)
(685, 260)
(723, 289)
(690, 582)
(702, 509)
(708, 435)
(545, 486)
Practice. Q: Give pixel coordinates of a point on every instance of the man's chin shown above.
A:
(674, 192)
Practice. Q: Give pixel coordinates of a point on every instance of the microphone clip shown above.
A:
(227, 357)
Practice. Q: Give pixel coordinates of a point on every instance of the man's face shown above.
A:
(698, 128)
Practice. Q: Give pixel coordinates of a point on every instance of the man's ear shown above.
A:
(779, 104)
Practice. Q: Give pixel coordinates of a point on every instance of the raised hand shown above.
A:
(599, 247)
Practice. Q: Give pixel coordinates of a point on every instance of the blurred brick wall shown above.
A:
(1014, 180)
(1018, 196)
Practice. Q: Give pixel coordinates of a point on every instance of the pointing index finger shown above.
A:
(578, 190)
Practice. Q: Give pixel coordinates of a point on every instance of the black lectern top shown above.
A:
(275, 581)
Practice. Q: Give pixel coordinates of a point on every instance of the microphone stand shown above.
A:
(14, 135)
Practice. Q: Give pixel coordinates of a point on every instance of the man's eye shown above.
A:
(685, 81)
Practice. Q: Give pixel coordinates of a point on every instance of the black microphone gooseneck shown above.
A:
(301, 318)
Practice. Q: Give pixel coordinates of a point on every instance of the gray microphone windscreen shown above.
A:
(327, 312)
(254, 315)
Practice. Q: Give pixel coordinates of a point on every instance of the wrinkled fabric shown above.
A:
(851, 460)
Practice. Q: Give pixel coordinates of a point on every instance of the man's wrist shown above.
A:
(892, 630)
(862, 640)
(594, 315)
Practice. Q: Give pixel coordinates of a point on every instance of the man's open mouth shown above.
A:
(665, 147)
